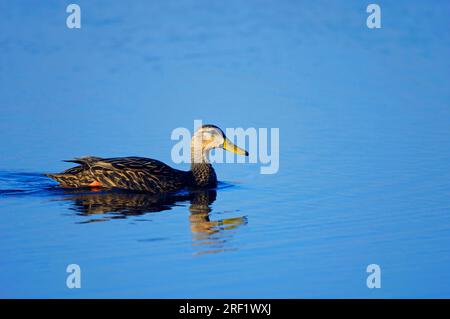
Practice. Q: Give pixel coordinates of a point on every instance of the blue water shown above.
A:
(364, 148)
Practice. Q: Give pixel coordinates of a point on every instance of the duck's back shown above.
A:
(131, 173)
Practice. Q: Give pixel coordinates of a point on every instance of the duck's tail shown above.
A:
(78, 176)
(86, 160)
(65, 180)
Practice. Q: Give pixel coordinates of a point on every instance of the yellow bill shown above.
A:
(229, 146)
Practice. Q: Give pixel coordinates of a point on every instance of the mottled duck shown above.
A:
(149, 175)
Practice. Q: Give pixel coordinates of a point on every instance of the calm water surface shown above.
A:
(364, 148)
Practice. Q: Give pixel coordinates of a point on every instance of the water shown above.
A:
(364, 148)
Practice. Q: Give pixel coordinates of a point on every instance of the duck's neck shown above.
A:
(202, 171)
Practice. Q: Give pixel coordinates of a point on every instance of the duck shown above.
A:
(149, 175)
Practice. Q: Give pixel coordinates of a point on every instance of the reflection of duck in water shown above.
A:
(206, 233)
(123, 203)
(149, 175)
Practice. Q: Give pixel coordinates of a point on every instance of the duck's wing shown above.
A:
(132, 173)
(78, 176)
(138, 173)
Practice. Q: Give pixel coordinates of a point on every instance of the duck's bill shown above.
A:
(229, 146)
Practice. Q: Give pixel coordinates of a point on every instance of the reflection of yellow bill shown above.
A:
(229, 146)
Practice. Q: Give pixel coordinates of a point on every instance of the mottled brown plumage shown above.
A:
(149, 175)
(133, 173)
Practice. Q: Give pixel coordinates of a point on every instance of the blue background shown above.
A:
(364, 145)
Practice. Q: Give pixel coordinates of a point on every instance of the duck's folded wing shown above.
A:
(77, 176)
(138, 173)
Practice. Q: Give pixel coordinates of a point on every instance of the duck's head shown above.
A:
(208, 137)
